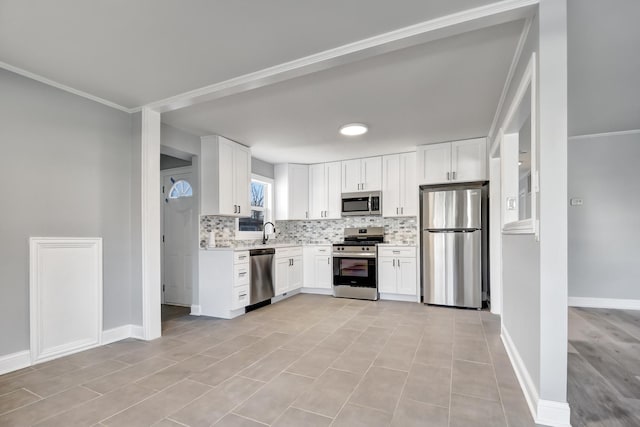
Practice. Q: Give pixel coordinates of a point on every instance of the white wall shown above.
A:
(604, 233)
(66, 170)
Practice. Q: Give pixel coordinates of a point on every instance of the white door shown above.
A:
(295, 273)
(298, 191)
(409, 193)
(282, 275)
(387, 276)
(242, 179)
(351, 177)
(391, 185)
(434, 163)
(371, 171)
(178, 234)
(407, 276)
(469, 160)
(333, 189)
(317, 191)
(323, 271)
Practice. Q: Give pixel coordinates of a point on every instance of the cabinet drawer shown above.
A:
(289, 252)
(240, 297)
(240, 274)
(397, 251)
(241, 257)
(322, 250)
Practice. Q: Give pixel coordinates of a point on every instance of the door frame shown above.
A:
(194, 232)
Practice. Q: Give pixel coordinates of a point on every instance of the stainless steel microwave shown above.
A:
(354, 204)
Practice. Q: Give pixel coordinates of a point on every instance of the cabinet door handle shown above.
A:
(239, 209)
(453, 175)
(448, 176)
(398, 263)
(328, 261)
(402, 210)
(306, 214)
(394, 262)
(242, 273)
(242, 295)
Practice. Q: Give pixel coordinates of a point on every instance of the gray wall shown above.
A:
(41, 128)
(521, 261)
(260, 167)
(604, 233)
(170, 162)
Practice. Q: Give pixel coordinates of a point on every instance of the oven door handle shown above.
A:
(345, 255)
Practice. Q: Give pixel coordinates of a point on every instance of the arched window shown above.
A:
(180, 189)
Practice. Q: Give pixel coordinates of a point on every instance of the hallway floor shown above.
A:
(307, 361)
(604, 367)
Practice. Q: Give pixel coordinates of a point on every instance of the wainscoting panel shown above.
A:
(65, 296)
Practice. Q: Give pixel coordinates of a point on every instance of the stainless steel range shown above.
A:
(354, 263)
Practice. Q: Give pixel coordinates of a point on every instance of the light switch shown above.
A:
(576, 201)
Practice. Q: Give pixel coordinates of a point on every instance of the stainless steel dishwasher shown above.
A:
(261, 275)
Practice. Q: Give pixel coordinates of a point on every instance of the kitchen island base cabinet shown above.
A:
(224, 277)
(398, 273)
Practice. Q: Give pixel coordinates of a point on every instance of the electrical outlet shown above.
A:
(576, 201)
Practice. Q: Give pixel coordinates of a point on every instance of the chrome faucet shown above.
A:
(264, 231)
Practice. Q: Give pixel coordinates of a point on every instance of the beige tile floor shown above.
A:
(307, 361)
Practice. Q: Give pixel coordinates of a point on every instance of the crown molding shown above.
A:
(63, 87)
(605, 134)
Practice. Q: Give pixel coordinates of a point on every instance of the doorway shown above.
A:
(179, 220)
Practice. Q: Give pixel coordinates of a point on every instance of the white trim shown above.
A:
(544, 412)
(14, 361)
(316, 291)
(286, 295)
(116, 334)
(527, 384)
(268, 210)
(434, 29)
(196, 310)
(524, 226)
(137, 332)
(600, 135)
(620, 304)
(551, 413)
(398, 297)
(512, 70)
(38, 352)
(65, 88)
(150, 225)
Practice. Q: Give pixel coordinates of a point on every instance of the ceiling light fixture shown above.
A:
(354, 129)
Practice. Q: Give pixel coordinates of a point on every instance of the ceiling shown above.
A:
(604, 66)
(439, 91)
(136, 52)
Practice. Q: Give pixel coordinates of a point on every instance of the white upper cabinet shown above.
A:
(324, 191)
(362, 175)
(457, 161)
(291, 191)
(469, 160)
(225, 177)
(399, 187)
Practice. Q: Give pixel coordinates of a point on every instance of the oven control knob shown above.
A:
(362, 249)
(367, 248)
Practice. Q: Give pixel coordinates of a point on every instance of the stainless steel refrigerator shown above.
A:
(454, 245)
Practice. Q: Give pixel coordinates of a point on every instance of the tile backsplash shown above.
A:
(397, 230)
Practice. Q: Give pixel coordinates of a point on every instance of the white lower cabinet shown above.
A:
(224, 278)
(288, 274)
(397, 270)
(318, 268)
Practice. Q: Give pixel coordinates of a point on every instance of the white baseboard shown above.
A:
(620, 304)
(317, 291)
(551, 413)
(116, 334)
(398, 297)
(544, 412)
(284, 296)
(14, 361)
(137, 332)
(196, 310)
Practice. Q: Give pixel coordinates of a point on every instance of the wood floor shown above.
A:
(604, 367)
